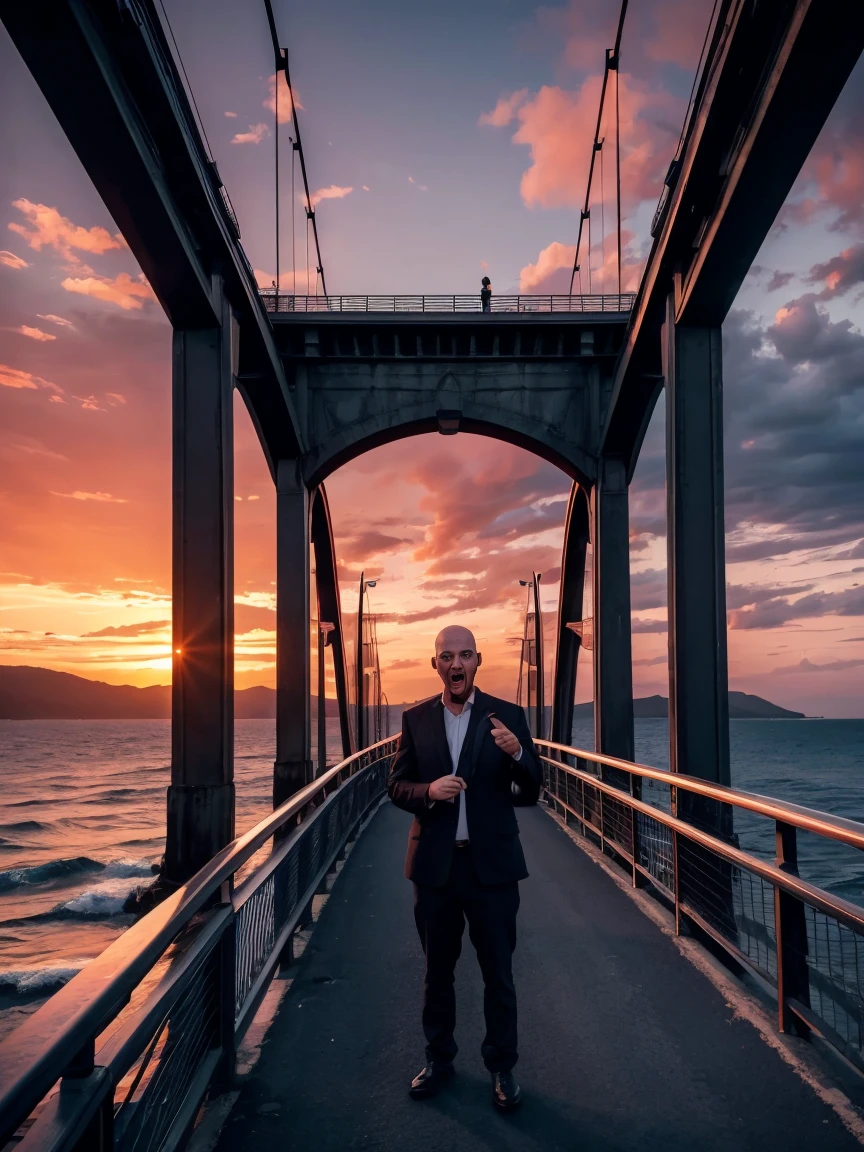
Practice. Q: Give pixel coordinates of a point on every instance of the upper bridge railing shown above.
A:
(805, 943)
(124, 1054)
(286, 302)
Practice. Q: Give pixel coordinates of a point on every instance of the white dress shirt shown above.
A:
(455, 728)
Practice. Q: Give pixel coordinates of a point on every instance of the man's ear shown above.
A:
(479, 659)
(434, 663)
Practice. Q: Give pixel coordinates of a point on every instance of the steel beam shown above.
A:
(613, 670)
(201, 795)
(329, 608)
(577, 535)
(698, 678)
(774, 72)
(293, 768)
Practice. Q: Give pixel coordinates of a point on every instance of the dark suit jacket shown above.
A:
(424, 756)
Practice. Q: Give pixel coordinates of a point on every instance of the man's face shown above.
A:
(456, 661)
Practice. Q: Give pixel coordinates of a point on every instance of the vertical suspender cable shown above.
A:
(602, 217)
(618, 169)
(281, 55)
(611, 65)
(276, 140)
(293, 224)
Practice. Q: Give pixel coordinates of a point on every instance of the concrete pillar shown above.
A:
(577, 535)
(329, 609)
(201, 794)
(293, 768)
(613, 671)
(698, 674)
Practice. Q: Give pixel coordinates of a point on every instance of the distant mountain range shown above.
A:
(42, 694)
(741, 707)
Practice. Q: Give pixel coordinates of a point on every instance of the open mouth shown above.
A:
(457, 680)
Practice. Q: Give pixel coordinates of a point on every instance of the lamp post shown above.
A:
(360, 678)
(534, 584)
(324, 630)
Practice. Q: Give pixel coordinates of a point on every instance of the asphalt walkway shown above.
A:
(624, 1045)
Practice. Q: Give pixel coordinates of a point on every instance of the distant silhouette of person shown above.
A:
(465, 760)
(486, 294)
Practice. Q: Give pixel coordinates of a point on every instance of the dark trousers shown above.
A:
(440, 915)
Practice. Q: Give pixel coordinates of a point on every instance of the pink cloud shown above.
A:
(551, 273)
(555, 126)
(505, 110)
(124, 291)
(231, 115)
(46, 227)
(61, 321)
(285, 95)
(10, 260)
(333, 192)
(254, 135)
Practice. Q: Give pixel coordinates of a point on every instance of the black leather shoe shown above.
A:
(430, 1080)
(506, 1093)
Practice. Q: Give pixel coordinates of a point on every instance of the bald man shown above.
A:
(464, 760)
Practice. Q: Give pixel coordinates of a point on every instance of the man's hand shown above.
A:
(503, 737)
(446, 787)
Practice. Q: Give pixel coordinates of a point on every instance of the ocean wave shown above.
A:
(123, 869)
(51, 870)
(99, 903)
(24, 826)
(26, 981)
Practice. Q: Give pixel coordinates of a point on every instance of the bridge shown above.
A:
(633, 1044)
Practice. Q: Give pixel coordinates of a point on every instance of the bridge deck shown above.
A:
(624, 1045)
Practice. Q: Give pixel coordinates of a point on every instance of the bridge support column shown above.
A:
(293, 768)
(329, 608)
(577, 535)
(613, 670)
(201, 794)
(698, 676)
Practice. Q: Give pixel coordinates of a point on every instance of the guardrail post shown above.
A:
(226, 974)
(98, 1132)
(790, 924)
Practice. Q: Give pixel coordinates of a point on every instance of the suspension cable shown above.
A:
(281, 58)
(611, 65)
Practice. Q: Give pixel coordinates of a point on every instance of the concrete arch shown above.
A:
(353, 440)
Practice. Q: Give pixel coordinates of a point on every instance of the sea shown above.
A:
(82, 811)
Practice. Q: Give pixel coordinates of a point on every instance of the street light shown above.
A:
(534, 584)
(359, 679)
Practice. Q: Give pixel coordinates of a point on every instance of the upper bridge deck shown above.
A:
(534, 305)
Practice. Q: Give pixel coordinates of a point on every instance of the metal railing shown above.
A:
(805, 943)
(286, 302)
(131, 1044)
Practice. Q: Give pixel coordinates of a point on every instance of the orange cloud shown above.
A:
(555, 258)
(99, 497)
(32, 333)
(11, 260)
(254, 135)
(17, 378)
(47, 228)
(124, 291)
(333, 192)
(285, 115)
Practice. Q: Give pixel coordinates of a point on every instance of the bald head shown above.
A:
(454, 636)
(456, 661)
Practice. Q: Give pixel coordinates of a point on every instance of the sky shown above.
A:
(443, 142)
